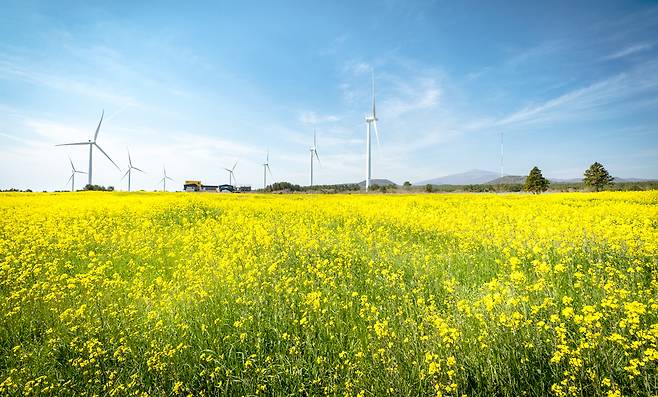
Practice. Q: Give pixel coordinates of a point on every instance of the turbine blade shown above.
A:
(130, 162)
(374, 123)
(316, 155)
(126, 174)
(315, 142)
(236, 163)
(269, 170)
(99, 125)
(71, 144)
(71, 177)
(71, 161)
(108, 157)
(227, 170)
(170, 179)
(135, 168)
(80, 172)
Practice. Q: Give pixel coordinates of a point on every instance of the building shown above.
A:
(197, 186)
(192, 186)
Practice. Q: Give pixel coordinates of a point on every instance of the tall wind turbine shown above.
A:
(91, 146)
(164, 179)
(371, 123)
(231, 173)
(130, 168)
(72, 177)
(314, 152)
(501, 155)
(266, 169)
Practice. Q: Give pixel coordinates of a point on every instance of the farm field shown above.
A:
(352, 295)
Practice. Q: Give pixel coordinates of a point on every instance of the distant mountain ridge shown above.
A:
(471, 177)
(483, 177)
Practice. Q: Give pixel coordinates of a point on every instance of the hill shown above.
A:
(380, 182)
(507, 179)
(472, 177)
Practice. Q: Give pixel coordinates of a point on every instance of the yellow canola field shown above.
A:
(353, 295)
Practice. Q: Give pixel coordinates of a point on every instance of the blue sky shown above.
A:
(199, 86)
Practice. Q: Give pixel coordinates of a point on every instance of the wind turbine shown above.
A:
(91, 146)
(164, 179)
(501, 154)
(266, 169)
(371, 122)
(314, 152)
(73, 172)
(231, 174)
(130, 168)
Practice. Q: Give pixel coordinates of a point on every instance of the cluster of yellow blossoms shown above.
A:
(147, 294)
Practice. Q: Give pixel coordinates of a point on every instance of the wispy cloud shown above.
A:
(594, 100)
(314, 118)
(630, 50)
(13, 70)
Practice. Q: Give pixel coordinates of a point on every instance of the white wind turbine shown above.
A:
(164, 179)
(314, 152)
(130, 168)
(72, 177)
(266, 169)
(91, 146)
(371, 122)
(231, 173)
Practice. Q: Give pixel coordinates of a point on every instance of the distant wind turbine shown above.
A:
(91, 146)
(164, 179)
(501, 155)
(130, 168)
(231, 174)
(314, 152)
(72, 177)
(371, 122)
(266, 169)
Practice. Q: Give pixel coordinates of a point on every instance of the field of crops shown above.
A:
(355, 295)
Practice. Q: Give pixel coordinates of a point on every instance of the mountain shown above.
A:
(472, 177)
(380, 182)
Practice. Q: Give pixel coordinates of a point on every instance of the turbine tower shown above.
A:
(130, 168)
(266, 169)
(314, 152)
(164, 179)
(371, 123)
(91, 146)
(72, 177)
(231, 173)
(501, 154)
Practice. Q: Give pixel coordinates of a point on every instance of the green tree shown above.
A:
(407, 185)
(429, 188)
(597, 177)
(535, 181)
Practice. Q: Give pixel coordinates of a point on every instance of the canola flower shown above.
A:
(355, 295)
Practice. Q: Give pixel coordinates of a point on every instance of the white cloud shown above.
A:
(314, 118)
(633, 49)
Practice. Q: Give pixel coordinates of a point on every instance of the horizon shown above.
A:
(197, 88)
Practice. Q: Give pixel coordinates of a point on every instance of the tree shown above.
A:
(407, 185)
(535, 181)
(429, 188)
(597, 177)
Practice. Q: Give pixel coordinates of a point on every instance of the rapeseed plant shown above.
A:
(446, 295)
